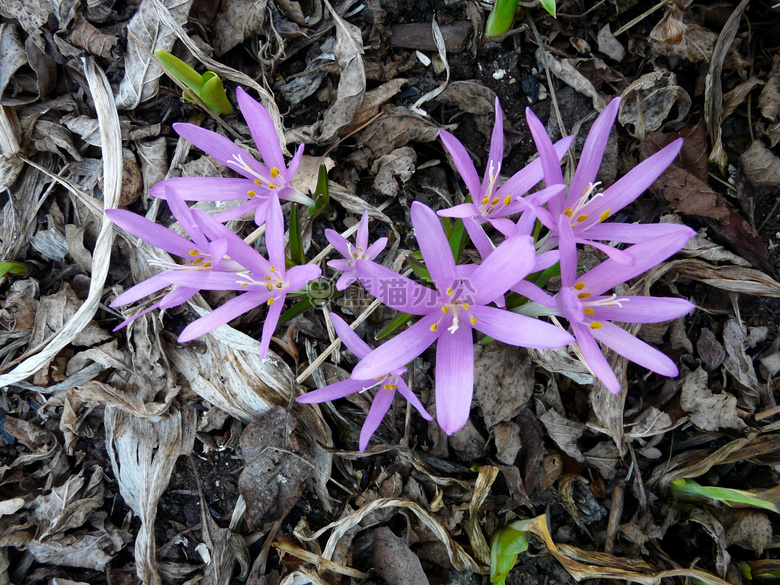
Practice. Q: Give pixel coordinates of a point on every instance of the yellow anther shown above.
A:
(206, 264)
(275, 172)
(258, 182)
(588, 311)
(583, 217)
(279, 285)
(435, 327)
(568, 212)
(507, 200)
(392, 386)
(485, 200)
(271, 186)
(466, 306)
(579, 285)
(197, 261)
(473, 320)
(596, 325)
(583, 295)
(604, 216)
(495, 201)
(251, 194)
(387, 386)
(271, 301)
(267, 278)
(445, 310)
(273, 268)
(194, 252)
(269, 286)
(450, 291)
(244, 284)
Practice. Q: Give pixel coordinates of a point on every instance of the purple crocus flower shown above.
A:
(590, 311)
(489, 201)
(361, 251)
(260, 179)
(387, 385)
(200, 254)
(449, 312)
(582, 204)
(265, 281)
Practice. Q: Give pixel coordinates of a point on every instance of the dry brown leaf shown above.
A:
(503, 381)
(769, 100)
(564, 70)
(708, 411)
(761, 166)
(85, 36)
(713, 527)
(605, 457)
(237, 21)
(14, 57)
(609, 45)
(506, 436)
(749, 529)
(738, 95)
(394, 561)
(731, 278)
(564, 432)
(648, 102)
(740, 365)
(352, 85)
(696, 44)
(394, 170)
(470, 97)
(68, 506)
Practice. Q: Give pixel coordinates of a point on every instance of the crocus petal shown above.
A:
(510, 262)
(568, 251)
(292, 168)
(361, 238)
(262, 128)
(496, 153)
(454, 378)
(376, 248)
(379, 407)
(292, 194)
(434, 245)
(183, 214)
(534, 293)
(631, 185)
(478, 237)
(407, 393)
(349, 338)
(332, 391)
(396, 291)
(341, 265)
(551, 165)
(592, 152)
(129, 320)
(642, 309)
(460, 211)
(339, 243)
(238, 249)
(224, 314)
(507, 227)
(345, 280)
(204, 279)
(151, 232)
(142, 289)
(621, 341)
(274, 233)
(257, 205)
(647, 254)
(524, 179)
(595, 359)
(299, 276)
(205, 188)
(517, 329)
(400, 350)
(177, 297)
(614, 254)
(270, 323)
(463, 162)
(546, 259)
(630, 233)
(220, 148)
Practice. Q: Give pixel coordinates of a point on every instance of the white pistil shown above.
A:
(240, 164)
(608, 302)
(454, 327)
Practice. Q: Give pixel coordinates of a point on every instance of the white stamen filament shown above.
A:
(607, 302)
(240, 163)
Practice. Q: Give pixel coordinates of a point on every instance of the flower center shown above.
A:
(579, 214)
(489, 202)
(355, 253)
(240, 164)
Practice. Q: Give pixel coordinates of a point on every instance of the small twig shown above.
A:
(640, 18)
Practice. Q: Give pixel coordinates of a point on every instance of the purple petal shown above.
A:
(177, 297)
(461, 211)
(341, 265)
(205, 188)
(434, 245)
(546, 259)
(292, 194)
(510, 262)
(238, 249)
(129, 320)
(293, 167)
(204, 279)
(183, 215)
(478, 237)
(629, 233)
(361, 239)
(463, 162)
(376, 248)
(256, 204)
(496, 153)
(299, 276)
(224, 314)
(400, 350)
(142, 289)
(551, 165)
(454, 378)
(332, 392)
(642, 309)
(349, 338)
(524, 179)
(507, 227)
(635, 182)
(379, 407)
(614, 254)
(270, 323)
(396, 291)
(345, 279)
(274, 233)
(621, 341)
(220, 148)
(592, 152)
(568, 251)
(339, 243)
(151, 232)
(594, 357)
(407, 393)
(517, 329)
(534, 293)
(262, 128)
(647, 254)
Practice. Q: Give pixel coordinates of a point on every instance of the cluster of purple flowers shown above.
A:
(458, 297)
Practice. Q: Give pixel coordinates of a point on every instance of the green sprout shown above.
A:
(505, 545)
(207, 87)
(503, 13)
(321, 197)
(12, 268)
(687, 488)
